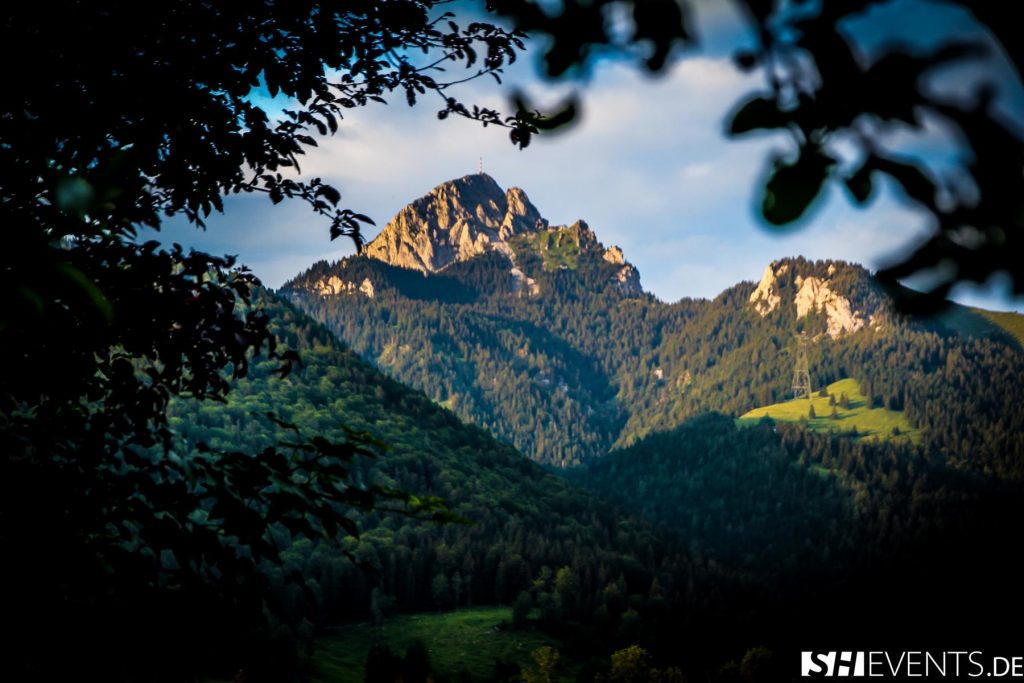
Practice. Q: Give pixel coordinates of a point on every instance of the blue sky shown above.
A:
(647, 167)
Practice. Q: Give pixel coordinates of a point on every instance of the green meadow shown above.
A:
(468, 639)
(557, 248)
(858, 420)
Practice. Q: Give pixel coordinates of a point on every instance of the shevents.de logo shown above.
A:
(909, 664)
(831, 664)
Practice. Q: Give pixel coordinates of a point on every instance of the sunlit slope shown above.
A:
(853, 417)
(1011, 322)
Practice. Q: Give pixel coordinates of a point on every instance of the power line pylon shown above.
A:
(802, 370)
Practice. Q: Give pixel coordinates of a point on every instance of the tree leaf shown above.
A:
(756, 113)
(912, 179)
(792, 188)
(859, 183)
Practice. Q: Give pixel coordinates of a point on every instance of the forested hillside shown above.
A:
(579, 366)
(824, 520)
(529, 537)
(749, 528)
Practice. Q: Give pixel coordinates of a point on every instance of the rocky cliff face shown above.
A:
(812, 293)
(816, 295)
(455, 221)
(334, 285)
(627, 280)
(464, 218)
(766, 297)
(614, 256)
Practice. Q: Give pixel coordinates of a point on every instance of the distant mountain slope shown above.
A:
(1012, 323)
(546, 339)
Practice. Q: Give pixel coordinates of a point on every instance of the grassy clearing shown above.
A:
(469, 638)
(869, 423)
(1009, 321)
(559, 249)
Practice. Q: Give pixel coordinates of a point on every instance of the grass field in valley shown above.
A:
(471, 639)
(868, 423)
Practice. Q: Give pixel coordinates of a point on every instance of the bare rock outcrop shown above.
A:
(812, 294)
(766, 297)
(469, 216)
(334, 286)
(816, 295)
(627, 280)
(614, 256)
(523, 285)
(456, 221)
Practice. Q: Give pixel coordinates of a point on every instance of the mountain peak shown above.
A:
(455, 221)
(822, 287)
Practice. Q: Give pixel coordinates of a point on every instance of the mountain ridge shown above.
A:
(469, 217)
(553, 346)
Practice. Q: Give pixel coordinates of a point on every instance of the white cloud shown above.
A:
(647, 166)
(695, 171)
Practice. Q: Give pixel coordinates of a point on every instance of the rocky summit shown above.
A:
(455, 221)
(473, 217)
(818, 291)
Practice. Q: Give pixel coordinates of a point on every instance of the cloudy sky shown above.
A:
(647, 167)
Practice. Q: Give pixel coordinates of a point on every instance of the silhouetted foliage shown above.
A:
(113, 118)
